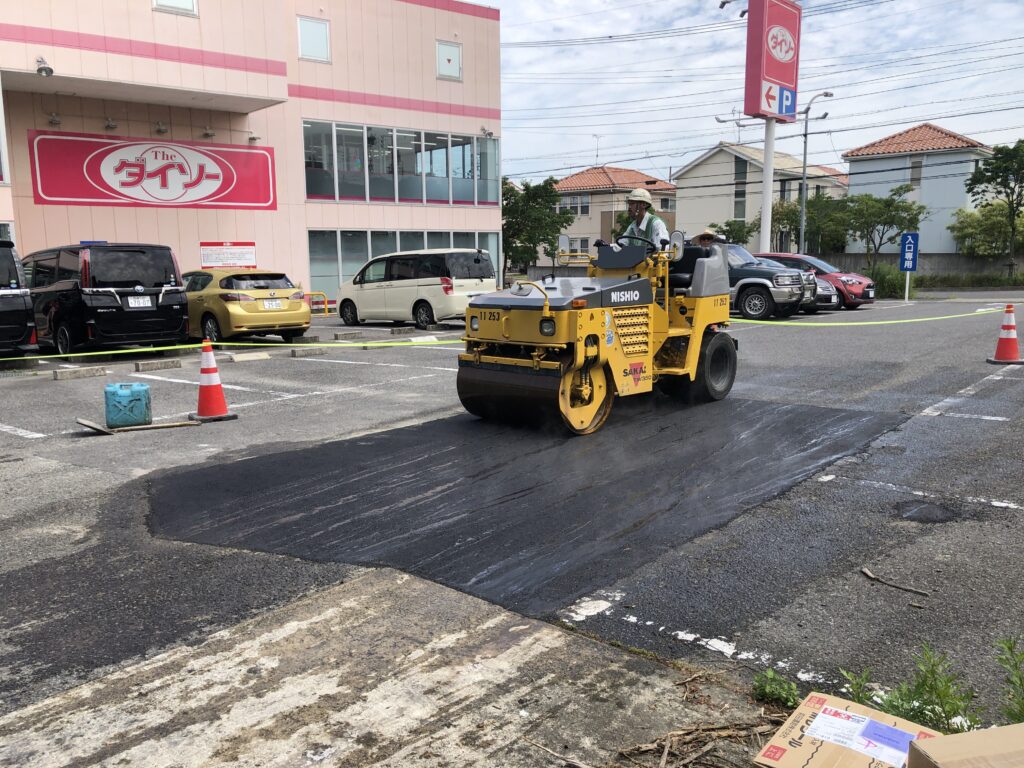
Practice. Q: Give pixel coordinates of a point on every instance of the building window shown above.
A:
(324, 275)
(582, 245)
(190, 7)
(318, 145)
(739, 195)
(383, 242)
(916, 167)
(435, 163)
(578, 204)
(784, 189)
(408, 149)
(668, 204)
(488, 186)
(463, 239)
(314, 39)
(819, 190)
(439, 239)
(585, 204)
(380, 163)
(462, 170)
(350, 152)
(449, 60)
(411, 241)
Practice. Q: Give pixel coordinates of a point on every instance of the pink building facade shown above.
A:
(316, 134)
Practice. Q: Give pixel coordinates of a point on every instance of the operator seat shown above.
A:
(680, 273)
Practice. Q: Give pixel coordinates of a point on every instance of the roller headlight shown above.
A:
(547, 326)
(474, 323)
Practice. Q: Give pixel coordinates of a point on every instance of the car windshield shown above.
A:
(820, 265)
(771, 263)
(739, 255)
(150, 268)
(11, 275)
(251, 282)
(461, 265)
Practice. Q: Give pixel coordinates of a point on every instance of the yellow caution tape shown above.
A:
(813, 324)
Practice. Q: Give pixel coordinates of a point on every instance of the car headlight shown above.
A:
(781, 280)
(849, 281)
(474, 323)
(547, 326)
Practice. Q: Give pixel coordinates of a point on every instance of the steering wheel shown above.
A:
(652, 246)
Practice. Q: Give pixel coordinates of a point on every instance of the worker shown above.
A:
(644, 223)
(706, 238)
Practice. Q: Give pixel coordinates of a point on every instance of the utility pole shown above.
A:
(597, 147)
(803, 185)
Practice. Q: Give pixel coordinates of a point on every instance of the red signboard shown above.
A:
(773, 59)
(86, 169)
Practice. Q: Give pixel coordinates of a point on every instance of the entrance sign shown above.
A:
(88, 169)
(908, 251)
(773, 59)
(236, 255)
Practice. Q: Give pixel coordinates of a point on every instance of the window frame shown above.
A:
(437, 61)
(299, 18)
(194, 13)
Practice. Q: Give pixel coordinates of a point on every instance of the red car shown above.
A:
(853, 289)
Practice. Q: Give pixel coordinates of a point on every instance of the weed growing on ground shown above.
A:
(1011, 658)
(773, 688)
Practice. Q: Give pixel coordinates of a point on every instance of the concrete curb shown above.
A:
(156, 365)
(66, 374)
(403, 330)
(342, 335)
(241, 357)
(313, 352)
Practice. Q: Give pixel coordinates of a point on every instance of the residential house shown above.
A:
(725, 183)
(935, 162)
(598, 194)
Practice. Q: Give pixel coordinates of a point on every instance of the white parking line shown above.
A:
(225, 386)
(997, 503)
(940, 408)
(382, 365)
(18, 432)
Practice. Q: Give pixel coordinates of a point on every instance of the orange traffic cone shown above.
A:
(1007, 350)
(212, 406)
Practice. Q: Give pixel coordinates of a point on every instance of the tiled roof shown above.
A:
(786, 164)
(609, 178)
(921, 138)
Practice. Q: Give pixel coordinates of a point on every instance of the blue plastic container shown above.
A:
(128, 405)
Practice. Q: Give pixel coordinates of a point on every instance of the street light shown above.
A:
(806, 111)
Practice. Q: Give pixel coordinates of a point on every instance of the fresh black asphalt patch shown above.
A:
(526, 519)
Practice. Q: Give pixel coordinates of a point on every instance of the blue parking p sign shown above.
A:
(908, 252)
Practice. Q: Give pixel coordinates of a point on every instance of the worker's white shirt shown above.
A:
(651, 227)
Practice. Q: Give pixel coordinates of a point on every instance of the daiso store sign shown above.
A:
(86, 169)
(773, 59)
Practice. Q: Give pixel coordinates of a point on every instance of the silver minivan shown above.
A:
(420, 286)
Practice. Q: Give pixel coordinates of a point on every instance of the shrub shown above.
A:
(773, 688)
(890, 283)
(1011, 658)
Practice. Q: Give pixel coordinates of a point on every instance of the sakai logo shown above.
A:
(781, 44)
(636, 370)
(159, 174)
(622, 297)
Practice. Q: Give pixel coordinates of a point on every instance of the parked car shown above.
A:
(421, 286)
(757, 291)
(810, 299)
(851, 288)
(223, 303)
(105, 294)
(17, 325)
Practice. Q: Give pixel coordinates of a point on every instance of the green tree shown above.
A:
(622, 222)
(984, 232)
(735, 230)
(530, 219)
(878, 221)
(1001, 177)
(785, 218)
(827, 225)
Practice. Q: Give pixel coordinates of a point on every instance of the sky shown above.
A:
(652, 103)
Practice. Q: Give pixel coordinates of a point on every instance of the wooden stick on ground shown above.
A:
(880, 580)
(565, 760)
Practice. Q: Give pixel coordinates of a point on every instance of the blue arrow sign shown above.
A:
(908, 251)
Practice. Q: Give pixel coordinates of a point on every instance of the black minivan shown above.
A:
(100, 294)
(17, 328)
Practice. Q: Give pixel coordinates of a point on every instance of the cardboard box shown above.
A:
(829, 732)
(991, 748)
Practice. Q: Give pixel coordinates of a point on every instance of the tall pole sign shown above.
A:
(773, 63)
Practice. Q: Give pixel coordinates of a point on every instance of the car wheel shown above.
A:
(811, 310)
(423, 315)
(348, 313)
(756, 303)
(716, 368)
(65, 343)
(842, 301)
(211, 329)
(852, 307)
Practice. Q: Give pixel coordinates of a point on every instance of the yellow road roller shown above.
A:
(645, 316)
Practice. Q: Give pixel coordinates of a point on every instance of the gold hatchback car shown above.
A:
(244, 302)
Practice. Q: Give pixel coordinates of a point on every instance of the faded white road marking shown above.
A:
(940, 408)
(234, 387)
(18, 432)
(368, 362)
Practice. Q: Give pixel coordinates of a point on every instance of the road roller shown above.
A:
(646, 316)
